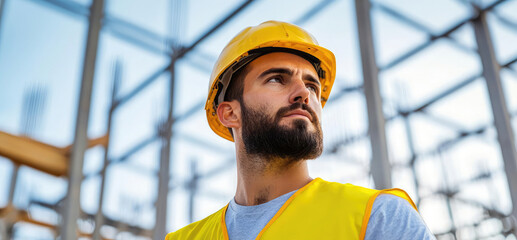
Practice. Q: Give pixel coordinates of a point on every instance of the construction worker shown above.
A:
(266, 94)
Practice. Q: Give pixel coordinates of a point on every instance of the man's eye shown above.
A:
(312, 88)
(275, 80)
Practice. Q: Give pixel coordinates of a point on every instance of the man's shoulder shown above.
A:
(349, 192)
(347, 189)
(207, 227)
(389, 204)
(392, 217)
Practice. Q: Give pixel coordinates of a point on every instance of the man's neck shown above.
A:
(259, 181)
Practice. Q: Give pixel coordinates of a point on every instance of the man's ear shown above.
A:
(229, 114)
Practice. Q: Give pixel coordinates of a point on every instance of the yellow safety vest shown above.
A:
(319, 210)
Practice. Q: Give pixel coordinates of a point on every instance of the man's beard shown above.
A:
(264, 137)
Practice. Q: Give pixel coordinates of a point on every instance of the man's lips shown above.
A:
(299, 112)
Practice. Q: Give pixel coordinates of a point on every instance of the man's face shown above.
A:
(281, 108)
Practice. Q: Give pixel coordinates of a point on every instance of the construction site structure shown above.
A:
(425, 99)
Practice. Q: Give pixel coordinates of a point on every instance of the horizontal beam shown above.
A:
(100, 141)
(445, 34)
(448, 143)
(214, 28)
(446, 93)
(144, 84)
(39, 155)
(313, 11)
(20, 215)
(13, 215)
(35, 154)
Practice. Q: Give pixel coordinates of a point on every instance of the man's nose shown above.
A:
(300, 93)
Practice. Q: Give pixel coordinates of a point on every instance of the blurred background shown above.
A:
(103, 133)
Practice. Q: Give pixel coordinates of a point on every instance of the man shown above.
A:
(266, 94)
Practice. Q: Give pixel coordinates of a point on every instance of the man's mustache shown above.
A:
(284, 110)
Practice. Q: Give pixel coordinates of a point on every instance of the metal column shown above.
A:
(380, 165)
(14, 180)
(99, 216)
(192, 187)
(7, 222)
(164, 172)
(2, 5)
(75, 173)
(497, 99)
(411, 145)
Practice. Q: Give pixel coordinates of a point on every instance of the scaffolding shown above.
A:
(386, 133)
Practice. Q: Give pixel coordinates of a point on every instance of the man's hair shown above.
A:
(236, 88)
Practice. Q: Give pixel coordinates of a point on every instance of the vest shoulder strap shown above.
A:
(207, 228)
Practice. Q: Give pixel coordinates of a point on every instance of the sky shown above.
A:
(41, 45)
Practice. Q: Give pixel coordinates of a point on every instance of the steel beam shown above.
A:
(216, 27)
(313, 11)
(21, 215)
(132, 32)
(146, 142)
(131, 228)
(99, 216)
(380, 165)
(509, 63)
(118, 27)
(423, 46)
(339, 93)
(14, 180)
(72, 203)
(135, 149)
(76, 9)
(2, 5)
(418, 26)
(3, 229)
(139, 35)
(122, 29)
(142, 86)
(499, 109)
(193, 188)
(446, 93)
(505, 21)
(6, 224)
(412, 161)
(165, 133)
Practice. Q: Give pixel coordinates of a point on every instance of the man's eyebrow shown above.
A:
(276, 70)
(310, 78)
(288, 72)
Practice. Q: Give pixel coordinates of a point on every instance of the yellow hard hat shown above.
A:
(252, 42)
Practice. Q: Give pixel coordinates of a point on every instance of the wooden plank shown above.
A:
(35, 154)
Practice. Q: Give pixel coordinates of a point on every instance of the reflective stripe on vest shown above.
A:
(318, 210)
